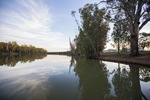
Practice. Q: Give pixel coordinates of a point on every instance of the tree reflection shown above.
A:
(136, 88)
(93, 79)
(127, 83)
(94, 84)
(122, 83)
(144, 74)
(72, 63)
(13, 60)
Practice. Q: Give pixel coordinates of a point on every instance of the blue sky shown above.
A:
(42, 23)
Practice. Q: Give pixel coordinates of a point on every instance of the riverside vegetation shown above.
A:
(12, 48)
(128, 17)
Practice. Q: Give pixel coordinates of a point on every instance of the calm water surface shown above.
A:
(65, 78)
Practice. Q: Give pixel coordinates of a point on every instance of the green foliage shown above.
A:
(144, 40)
(138, 14)
(120, 34)
(93, 31)
(13, 47)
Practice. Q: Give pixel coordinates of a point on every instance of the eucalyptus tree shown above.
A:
(92, 31)
(73, 15)
(138, 14)
(120, 32)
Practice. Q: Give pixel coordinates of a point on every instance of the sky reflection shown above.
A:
(31, 78)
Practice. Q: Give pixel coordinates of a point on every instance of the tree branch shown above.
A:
(128, 13)
(144, 23)
(140, 4)
(101, 2)
(142, 13)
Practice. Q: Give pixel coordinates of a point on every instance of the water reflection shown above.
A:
(144, 74)
(11, 61)
(122, 84)
(93, 79)
(30, 81)
(65, 78)
(95, 82)
(72, 63)
(127, 84)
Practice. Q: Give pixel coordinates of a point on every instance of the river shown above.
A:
(55, 77)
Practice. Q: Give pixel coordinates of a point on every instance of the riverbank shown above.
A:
(142, 59)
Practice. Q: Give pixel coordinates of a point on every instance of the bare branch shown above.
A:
(145, 22)
(102, 2)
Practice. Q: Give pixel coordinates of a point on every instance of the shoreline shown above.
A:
(142, 60)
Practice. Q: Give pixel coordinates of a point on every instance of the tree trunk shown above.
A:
(134, 40)
(136, 88)
(118, 46)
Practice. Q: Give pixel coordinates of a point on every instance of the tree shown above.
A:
(144, 40)
(13, 47)
(73, 15)
(2, 47)
(92, 32)
(120, 32)
(137, 12)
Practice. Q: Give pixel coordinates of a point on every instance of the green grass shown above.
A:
(126, 53)
(122, 53)
(145, 52)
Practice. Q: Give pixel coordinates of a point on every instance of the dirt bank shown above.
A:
(140, 60)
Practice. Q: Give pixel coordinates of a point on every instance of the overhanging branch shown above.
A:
(144, 23)
(142, 13)
(104, 1)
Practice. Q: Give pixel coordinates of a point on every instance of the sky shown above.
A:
(46, 24)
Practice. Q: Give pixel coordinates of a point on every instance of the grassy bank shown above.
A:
(123, 57)
(126, 53)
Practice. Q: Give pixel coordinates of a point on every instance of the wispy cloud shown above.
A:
(29, 22)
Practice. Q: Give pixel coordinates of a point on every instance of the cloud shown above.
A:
(29, 22)
(146, 28)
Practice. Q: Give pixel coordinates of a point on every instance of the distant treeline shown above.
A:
(14, 48)
(69, 53)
